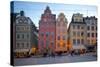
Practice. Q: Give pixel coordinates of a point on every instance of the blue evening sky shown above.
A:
(35, 9)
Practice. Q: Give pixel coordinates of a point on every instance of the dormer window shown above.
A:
(20, 21)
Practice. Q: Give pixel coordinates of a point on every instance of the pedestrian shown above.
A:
(72, 52)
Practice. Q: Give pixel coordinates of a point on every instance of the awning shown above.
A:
(21, 50)
(78, 47)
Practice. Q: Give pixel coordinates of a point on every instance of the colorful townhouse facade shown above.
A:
(61, 33)
(47, 28)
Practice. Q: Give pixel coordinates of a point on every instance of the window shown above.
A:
(88, 27)
(82, 33)
(82, 27)
(92, 34)
(76, 19)
(22, 28)
(74, 41)
(64, 45)
(47, 34)
(18, 36)
(78, 27)
(92, 41)
(92, 28)
(74, 33)
(18, 45)
(88, 34)
(20, 20)
(78, 41)
(27, 28)
(58, 37)
(92, 23)
(52, 35)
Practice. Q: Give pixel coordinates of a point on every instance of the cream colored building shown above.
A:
(77, 32)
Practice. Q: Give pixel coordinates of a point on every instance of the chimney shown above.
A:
(21, 13)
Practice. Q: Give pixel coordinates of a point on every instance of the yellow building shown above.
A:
(61, 33)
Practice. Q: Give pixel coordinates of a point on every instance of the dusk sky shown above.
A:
(35, 9)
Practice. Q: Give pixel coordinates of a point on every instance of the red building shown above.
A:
(47, 23)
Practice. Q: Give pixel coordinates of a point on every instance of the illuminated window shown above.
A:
(64, 45)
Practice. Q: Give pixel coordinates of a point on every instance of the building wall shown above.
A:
(91, 30)
(47, 31)
(61, 33)
(77, 31)
(23, 34)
